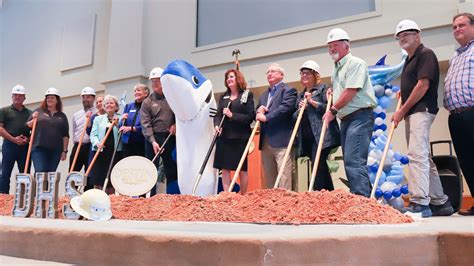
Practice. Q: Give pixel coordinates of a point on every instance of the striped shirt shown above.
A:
(78, 121)
(459, 81)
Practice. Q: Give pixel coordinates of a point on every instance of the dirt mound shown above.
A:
(274, 206)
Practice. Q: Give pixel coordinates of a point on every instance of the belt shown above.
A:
(83, 144)
(351, 115)
(461, 110)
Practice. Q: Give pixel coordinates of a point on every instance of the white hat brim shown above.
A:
(76, 206)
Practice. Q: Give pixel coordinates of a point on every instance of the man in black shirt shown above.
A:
(419, 93)
(15, 135)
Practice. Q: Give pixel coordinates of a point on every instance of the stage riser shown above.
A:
(80, 247)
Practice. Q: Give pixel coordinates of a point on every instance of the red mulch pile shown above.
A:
(274, 206)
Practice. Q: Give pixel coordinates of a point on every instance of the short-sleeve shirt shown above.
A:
(352, 72)
(459, 81)
(50, 130)
(14, 120)
(423, 64)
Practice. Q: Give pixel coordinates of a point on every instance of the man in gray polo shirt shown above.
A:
(15, 135)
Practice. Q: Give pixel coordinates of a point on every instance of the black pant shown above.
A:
(82, 158)
(133, 149)
(323, 177)
(171, 169)
(461, 127)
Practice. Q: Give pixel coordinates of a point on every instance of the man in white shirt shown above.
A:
(78, 123)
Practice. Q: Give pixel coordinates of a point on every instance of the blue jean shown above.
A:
(11, 153)
(45, 160)
(355, 139)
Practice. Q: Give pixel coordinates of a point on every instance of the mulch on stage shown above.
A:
(273, 206)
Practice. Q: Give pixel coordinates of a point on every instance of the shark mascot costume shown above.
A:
(191, 98)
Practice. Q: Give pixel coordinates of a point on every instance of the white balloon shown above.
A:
(388, 186)
(378, 121)
(388, 92)
(379, 90)
(378, 109)
(371, 160)
(378, 132)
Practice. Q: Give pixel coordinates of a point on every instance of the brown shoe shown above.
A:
(467, 211)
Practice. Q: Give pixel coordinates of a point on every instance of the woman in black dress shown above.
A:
(235, 130)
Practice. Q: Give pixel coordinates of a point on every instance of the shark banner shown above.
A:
(191, 98)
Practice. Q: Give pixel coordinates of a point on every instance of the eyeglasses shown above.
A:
(404, 34)
(305, 73)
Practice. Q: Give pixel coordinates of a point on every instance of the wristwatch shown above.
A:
(333, 110)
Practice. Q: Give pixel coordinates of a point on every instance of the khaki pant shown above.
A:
(424, 183)
(272, 159)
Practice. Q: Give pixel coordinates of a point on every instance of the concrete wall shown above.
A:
(133, 36)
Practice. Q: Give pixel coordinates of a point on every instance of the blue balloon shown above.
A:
(404, 160)
(374, 167)
(373, 138)
(388, 86)
(404, 189)
(385, 102)
(371, 177)
(382, 115)
(397, 179)
(173, 154)
(378, 193)
(395, 88)
(397, 156)
(376, 127)
(383, 127)
(396, 193)
(387, 195)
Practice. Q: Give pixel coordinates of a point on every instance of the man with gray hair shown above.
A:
(419, 96)
(354, 99)
(274, 111)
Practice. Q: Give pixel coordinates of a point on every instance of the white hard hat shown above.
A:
(156, 73)
(310, 64)
(88, 91)
(94, 204)
(52, 91)
(406, 24)
(19, 89)
(337, 34)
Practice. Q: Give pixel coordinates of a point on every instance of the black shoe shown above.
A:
(445, 209)
(467, 211)
(418, 208)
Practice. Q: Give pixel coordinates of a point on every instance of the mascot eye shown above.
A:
(195, 80)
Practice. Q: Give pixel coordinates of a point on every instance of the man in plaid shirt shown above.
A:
(459, 98)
